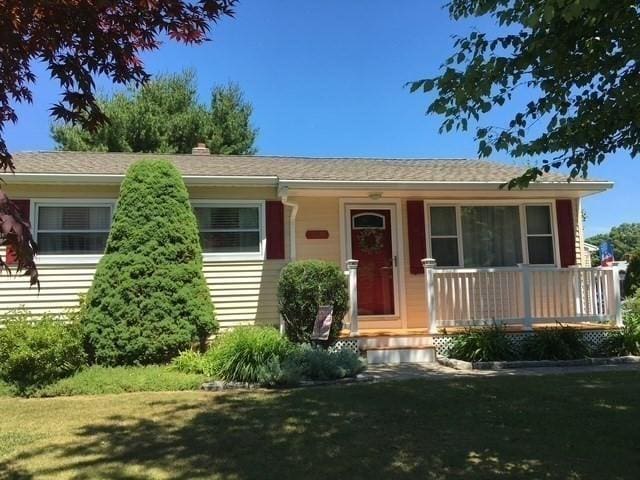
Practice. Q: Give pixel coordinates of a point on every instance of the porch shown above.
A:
(521, 298)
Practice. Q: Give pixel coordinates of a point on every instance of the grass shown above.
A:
(105, 380)
(5, 389)
(553, 427)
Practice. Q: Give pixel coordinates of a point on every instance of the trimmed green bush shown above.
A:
(37, 352)
(149, 299)
(303, 287)
(189, 361)
(561, 343)
(485, 344)
(246, 354)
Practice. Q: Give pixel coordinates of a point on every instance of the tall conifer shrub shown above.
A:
(149, 298)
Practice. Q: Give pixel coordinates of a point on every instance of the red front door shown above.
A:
(371, 245)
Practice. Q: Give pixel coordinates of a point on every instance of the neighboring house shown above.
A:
(502, 255)
(589, 250)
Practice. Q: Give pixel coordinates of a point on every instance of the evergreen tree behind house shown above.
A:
(164, 116)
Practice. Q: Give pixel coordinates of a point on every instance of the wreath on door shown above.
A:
(371, 240)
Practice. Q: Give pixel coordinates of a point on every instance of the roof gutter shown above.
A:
(116, 179)
(595, 186)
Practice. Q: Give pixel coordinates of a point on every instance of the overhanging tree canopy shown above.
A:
(77, 40)
(577, 59)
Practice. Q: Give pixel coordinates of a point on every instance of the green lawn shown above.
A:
(554, 427)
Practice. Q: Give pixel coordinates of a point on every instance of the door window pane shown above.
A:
(368, 220)
(491, 236)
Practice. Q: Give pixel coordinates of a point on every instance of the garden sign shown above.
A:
(322, 325)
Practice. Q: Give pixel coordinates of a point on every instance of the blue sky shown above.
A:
(327, 79)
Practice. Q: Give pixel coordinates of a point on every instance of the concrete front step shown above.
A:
(399, 341)
(397, 355)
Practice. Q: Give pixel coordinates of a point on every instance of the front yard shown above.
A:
(564, 427)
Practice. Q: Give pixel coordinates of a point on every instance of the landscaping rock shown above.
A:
(462, 365)
(219, 385)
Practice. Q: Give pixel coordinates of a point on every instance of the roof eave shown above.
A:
(116, 179)
(586, 186)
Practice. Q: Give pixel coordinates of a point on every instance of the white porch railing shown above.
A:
(523, 295)
(352, 280)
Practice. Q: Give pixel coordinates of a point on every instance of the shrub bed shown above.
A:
(483, 345)
(38, 352)
(261, 355)
(563, 343)
(246, 354)
(493, 344)
(627, 340)
(97, 380)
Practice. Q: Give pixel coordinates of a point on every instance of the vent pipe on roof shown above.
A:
(200, 149)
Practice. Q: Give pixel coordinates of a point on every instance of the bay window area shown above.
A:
(481, 236)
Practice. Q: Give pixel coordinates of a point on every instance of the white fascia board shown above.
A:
(116, 179)
(594, 186)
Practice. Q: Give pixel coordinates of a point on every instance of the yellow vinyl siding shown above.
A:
(321, 213)
(242, 292)
(582, 259)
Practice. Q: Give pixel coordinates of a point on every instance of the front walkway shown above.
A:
(433, 371)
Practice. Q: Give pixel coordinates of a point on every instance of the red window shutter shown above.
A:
(23, 207)
(275, 229)
(566, 233)
(417, 237)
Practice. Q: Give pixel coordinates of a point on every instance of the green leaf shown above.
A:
(416, 85)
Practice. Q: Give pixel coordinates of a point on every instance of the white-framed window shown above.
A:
(539, 235)
(491, 235)
(72, 228)
(231, 229)
(444, 235)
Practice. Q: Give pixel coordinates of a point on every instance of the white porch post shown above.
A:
(526, 296)
(429, 264)
(617, 301)
(352, 269)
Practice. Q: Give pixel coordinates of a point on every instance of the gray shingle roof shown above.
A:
(285, 168)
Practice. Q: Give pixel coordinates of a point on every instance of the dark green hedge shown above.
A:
(149, 298)
(304, 286)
